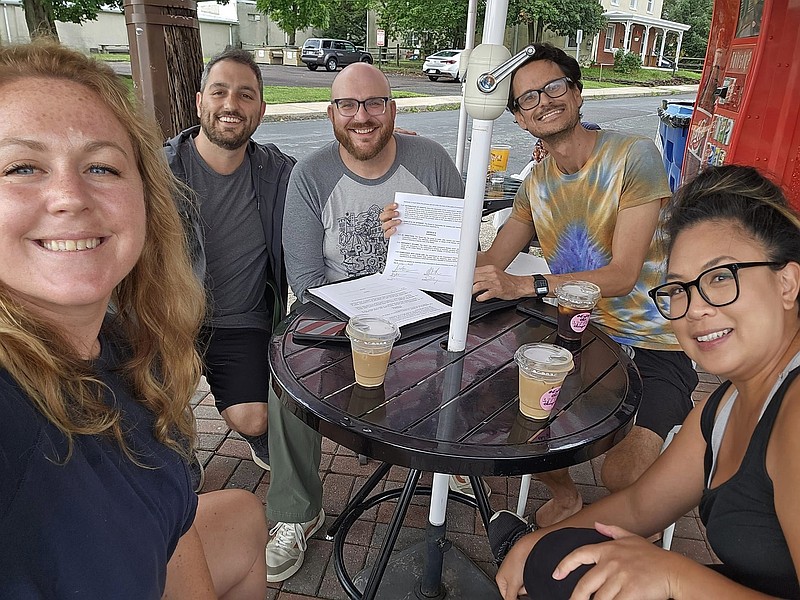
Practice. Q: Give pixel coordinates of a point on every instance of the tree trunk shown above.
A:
(184, 54)
(166, 60)
(292, 37)
(39, 18)
(531, 32)
(539, 30)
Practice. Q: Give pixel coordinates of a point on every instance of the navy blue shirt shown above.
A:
(98, 526)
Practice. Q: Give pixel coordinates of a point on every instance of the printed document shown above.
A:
(374, 295)
(423, 253)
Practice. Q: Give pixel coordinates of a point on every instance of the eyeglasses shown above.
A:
(555, 89)
(348, 107)
(719, 286)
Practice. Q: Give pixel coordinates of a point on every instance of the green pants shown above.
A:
(295, 450)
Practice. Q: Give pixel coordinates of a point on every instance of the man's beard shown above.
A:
(360, 152)
(229, 140)
(554, 137)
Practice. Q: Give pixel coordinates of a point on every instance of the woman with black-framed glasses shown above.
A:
(731, 294)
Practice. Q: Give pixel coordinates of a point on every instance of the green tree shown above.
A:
(348, 21)
(437, 24)
(696, 13)
(41, 15)
(291, 15)
(562, 17)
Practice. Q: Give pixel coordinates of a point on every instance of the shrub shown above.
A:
(627, 62)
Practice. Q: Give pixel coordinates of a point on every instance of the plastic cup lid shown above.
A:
(578, 293)
(372, 329)
(544, 359)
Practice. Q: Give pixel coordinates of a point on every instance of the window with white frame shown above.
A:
(614, 2)
(634, 4)
(650, 6)
(610, 31)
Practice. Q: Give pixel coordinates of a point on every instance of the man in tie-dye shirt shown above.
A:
(595, 205)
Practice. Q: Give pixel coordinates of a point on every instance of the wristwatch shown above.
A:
(540, 286)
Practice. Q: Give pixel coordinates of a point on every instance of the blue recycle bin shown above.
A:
(673, 129)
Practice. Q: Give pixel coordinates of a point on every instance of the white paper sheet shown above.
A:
(527, 264)
(375, 296)
(423, 253)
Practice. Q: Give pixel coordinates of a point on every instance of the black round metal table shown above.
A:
(458, 413)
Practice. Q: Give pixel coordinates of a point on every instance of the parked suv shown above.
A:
(331, 53)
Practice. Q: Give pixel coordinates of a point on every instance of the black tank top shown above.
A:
(739, 515)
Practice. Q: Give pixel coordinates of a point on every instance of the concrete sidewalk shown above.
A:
(318, 110)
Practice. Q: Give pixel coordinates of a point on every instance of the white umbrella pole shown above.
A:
(469, 44)
(483, 108)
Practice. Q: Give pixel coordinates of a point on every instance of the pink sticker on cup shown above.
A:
(548, 399)
(579, 322)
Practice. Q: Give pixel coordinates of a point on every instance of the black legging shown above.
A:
(545, 556)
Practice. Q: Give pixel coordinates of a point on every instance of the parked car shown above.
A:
(444, 63)
(331, 54)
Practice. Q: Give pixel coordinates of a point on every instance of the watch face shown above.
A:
(540, 284)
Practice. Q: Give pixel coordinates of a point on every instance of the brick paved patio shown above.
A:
(226, 457)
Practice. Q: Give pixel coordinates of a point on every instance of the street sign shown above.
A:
(381, 37)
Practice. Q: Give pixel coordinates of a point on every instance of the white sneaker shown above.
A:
(286, 548)
(460, 483)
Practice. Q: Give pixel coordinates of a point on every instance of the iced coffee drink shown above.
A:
(542, 370)
(371, 341)
(576, 299)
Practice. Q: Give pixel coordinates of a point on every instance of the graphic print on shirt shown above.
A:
(577, 251)
(361, 242)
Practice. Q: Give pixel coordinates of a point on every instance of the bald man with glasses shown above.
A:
(331, 231)
(595, 205)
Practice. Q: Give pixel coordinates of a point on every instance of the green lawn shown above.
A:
(591, 76)
(276, 94)
(641, 77)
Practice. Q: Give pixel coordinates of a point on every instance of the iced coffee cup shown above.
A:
(542, 370)
(576, 299)
(371, 340)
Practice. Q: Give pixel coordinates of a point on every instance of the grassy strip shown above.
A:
(277, 94)
(106, 57)
(643, 77)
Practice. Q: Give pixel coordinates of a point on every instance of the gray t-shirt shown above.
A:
(235, 247)
(331, 229)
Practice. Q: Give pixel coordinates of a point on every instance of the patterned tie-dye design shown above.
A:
(575, 216)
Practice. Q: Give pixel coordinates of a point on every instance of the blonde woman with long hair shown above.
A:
(98, 315)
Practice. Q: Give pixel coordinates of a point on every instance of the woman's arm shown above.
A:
(630, 568)
(668, 490)
(783, 467)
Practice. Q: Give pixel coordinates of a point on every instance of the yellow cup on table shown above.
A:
(498, 162)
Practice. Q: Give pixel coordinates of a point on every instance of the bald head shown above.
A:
(359, 76)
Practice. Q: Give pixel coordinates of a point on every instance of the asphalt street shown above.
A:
(631, 115)
(301, 77)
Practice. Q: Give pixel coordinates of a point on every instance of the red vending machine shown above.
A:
(748, 104)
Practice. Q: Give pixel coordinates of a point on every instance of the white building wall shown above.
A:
(13, 29)
(109, 30)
